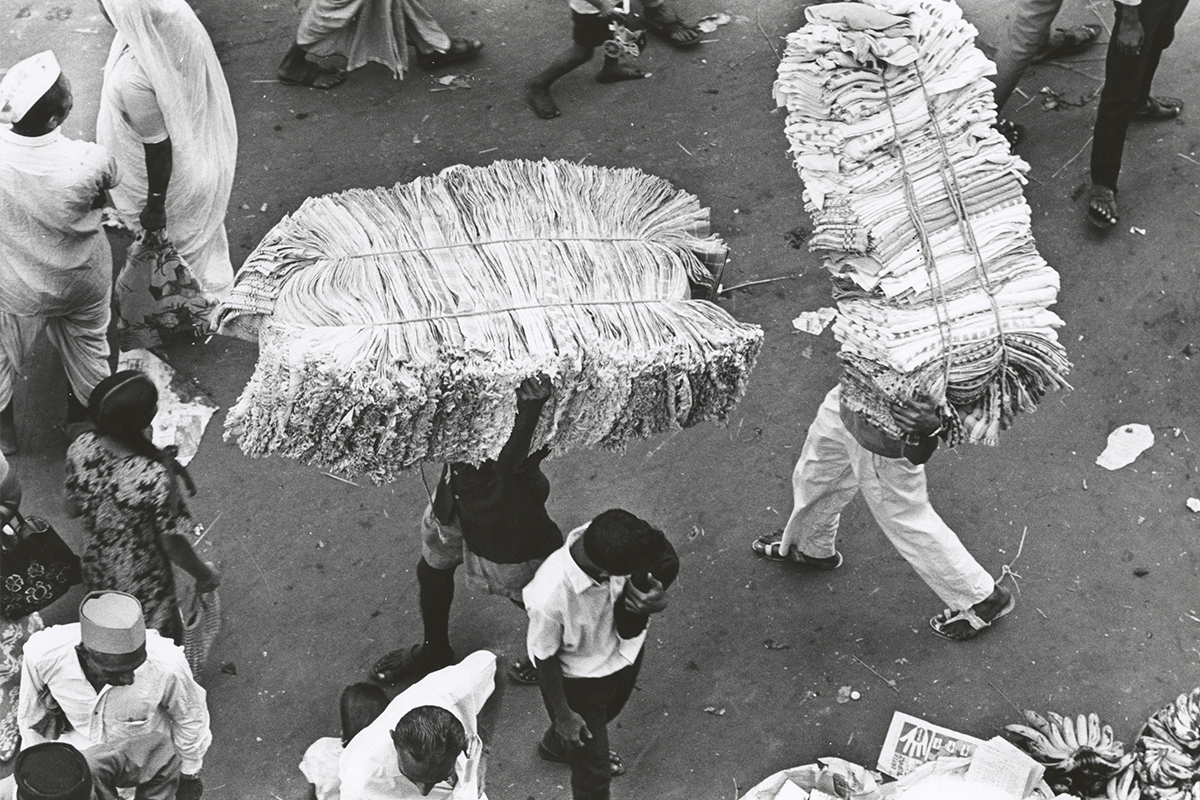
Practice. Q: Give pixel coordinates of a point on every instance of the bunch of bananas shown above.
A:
(1168, 751)
(1080, 754)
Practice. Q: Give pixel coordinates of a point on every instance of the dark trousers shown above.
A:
(1127, 80)
(598, 701)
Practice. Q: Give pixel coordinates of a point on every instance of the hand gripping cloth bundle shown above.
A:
(395, 324)
(919, 215)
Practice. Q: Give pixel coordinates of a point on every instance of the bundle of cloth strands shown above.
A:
(395, 324)
(919, 215)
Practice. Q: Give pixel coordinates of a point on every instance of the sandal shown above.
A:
(1070, 41)
(668, 26)
(616, 765)
(309, 74)
(770, 547)
(523, 672)
(400, 665)
(1159, 109)
(1102, 207)
(1014, 132)
(460, 50)
(975, 624)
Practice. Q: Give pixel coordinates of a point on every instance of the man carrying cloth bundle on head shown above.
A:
(492, 518)
(112, 680)
(844, 454)
(55, 262)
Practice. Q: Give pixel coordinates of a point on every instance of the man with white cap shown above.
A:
(55, 262)
(112, 680)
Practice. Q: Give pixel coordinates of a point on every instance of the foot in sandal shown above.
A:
(770, 547)
(959, 626)
(1159, 109)
(1102, 207)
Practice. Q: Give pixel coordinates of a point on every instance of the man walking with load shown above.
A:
(844, 454)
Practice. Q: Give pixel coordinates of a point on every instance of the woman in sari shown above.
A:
(166, 117)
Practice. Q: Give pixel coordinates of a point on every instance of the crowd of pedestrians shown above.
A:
(110, 702)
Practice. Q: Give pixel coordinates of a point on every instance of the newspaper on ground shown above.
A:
(911, 742)
(183, 410)
(997, 762)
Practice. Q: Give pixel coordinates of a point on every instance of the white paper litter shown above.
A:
(1125, 444)
(1193, 503)
(712, 22)
(183, 413)
(814, 321)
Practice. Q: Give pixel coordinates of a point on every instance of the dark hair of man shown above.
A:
(621, 543)
(430, 734)
(361, 703)
(56, 102)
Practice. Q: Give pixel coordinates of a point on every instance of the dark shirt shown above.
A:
(500, 505)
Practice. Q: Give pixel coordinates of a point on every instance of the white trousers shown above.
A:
(80, 337)
(833, 466)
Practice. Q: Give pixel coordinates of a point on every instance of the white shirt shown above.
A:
(54, 257)
(571, 616)
(320, 765)
(369, 768)
(163, 696)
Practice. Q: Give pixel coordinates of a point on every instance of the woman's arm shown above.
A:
(159, 162)
(180, 551)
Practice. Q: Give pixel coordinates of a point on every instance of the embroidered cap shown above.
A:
(112, 623)
(52, 771)
(25, 84)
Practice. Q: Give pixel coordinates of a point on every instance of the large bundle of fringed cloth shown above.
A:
(919, 215)
(395, 324)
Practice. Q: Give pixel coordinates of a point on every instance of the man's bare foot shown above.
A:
(620, 72)
(540, 101)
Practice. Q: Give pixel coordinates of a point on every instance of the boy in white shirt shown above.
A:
(587, 668)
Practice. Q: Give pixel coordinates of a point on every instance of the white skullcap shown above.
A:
(25, 84)
(111, 622)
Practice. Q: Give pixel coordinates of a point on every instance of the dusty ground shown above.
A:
(319, 576)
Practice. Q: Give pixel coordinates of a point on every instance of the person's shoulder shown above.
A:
(82, 444)
(164, 654)
(51, 642)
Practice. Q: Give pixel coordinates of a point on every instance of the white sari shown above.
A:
(174, 51)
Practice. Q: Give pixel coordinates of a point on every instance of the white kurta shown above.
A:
(163, 696)
(369, 769)
(55, 262)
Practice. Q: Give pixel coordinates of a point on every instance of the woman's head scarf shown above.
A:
(174, 50)
(122, 406)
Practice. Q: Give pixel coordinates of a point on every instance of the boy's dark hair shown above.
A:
(56, 101)
(430, 734)
(361, 703)
(621, 543)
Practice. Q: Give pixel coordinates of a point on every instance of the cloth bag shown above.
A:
(201, 624)
(159, 297)
(38, 567)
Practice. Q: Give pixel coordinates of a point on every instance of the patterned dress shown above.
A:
(126, 517)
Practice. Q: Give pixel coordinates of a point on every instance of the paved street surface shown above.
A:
(743, 671)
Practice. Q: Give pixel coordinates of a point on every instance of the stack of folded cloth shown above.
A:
(919, 215)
